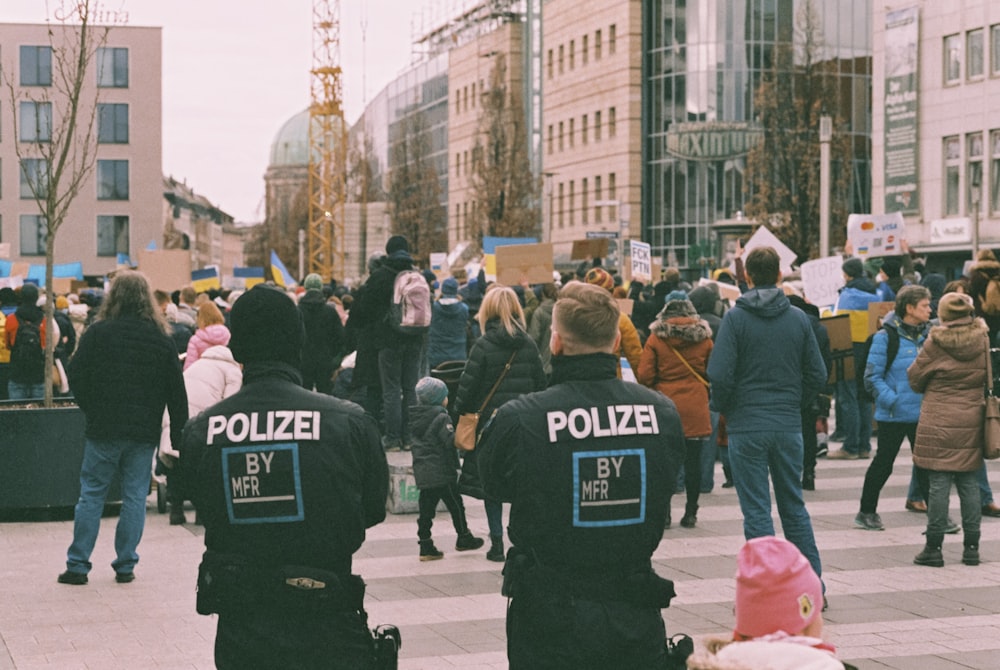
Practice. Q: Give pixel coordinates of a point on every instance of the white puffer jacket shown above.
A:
(777, 652)
(213, 377)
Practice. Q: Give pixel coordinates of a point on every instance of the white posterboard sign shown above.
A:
(873, 235)
(642, 267)
(765, 238)
(822, 280)
(438, 259)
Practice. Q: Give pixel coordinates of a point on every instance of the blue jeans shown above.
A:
(494, 517)
(755, 456)
(19, 391)
(855, 413)
(709, 454)
(397, 369)
(985, 492)
(102, 459)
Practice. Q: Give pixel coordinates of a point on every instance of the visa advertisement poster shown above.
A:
(873, 235)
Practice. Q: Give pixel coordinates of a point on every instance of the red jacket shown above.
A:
(661, 369)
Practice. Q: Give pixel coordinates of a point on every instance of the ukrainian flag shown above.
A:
(205, 279)
(280, 273)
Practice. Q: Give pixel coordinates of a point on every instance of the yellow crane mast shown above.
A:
(327, 145)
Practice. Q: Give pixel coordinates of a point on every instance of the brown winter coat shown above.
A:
(662, 370)
(950, 371)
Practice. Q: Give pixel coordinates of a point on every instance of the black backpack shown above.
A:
(892, 348)
(27, 356)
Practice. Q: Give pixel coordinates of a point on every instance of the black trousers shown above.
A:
(427, 505)
(890, 439)
(809, 444)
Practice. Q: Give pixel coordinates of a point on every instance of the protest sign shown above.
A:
(167, 269)
(765, 238)
(822, 280)
(589, 248)
(641, 265)
(531, 262)
(872, 235)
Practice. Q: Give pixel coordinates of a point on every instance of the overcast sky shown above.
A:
(234, 72)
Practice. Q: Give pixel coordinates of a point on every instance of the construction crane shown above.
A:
(327, 145)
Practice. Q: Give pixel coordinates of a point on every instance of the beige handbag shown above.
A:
(468, 424)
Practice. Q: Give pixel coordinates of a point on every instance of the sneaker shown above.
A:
(865, 454)
(868, 521)
(74, 578)
(991, 510)
(822, 449)
(951, 528)
(842, 455)
(124, 577)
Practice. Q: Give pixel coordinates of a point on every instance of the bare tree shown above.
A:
(415, 190)
(502, 182)
(782, 177)
(57, 134)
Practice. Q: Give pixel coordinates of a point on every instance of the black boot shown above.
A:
(931, 555)
(468, 542)
(177, 517)
(428, 552)
(496, 553)
(970, 556)
(667, 522)
(728, 484)
(809, 480)
(690, 518)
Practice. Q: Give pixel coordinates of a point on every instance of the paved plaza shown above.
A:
(884, 611)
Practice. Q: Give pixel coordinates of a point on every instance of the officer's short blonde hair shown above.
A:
(586, 318)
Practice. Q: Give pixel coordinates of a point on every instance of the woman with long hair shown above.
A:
(212, 332)
(125, 371)
(504, 342)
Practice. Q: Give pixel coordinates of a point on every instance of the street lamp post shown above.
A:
(825, 135)
(974, 193)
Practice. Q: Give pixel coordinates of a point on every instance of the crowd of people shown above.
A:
(539, 364)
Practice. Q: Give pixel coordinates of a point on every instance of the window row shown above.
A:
(557, 57)
(112, 235)
(35, 122)
(465, 217)
(975, 56)
(465, 161)
(112, 179)
(462, 97)
(977, 156)
(564, 210)
(563, 134)
(111, 64)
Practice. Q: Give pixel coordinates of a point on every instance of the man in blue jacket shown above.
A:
(764, 366)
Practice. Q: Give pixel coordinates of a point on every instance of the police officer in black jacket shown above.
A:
(588, 466)
(287, 482)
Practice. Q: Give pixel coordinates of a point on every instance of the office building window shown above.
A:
(952, 168)
(112, 123)
(458, 220)
(562, 221)
(465, 215)
(560, 136)
(584, 49)
(561, 54)
(112, 67)
(551, 138)
(572, 202)
(612, 186)
(551, 64)
(995, 49)
(975, 54)
(572, 54)
(572, 141)
(458, 101)
(112, 180)
(597, 126)
(36, 122)
(584, 205)
(995, 171)
(952, 59)
(34, 178)
(597, 45)
(583, 128)
(36, 66)
(458, 164)
(597, 196)
(112, 235)
(611, 38)
(973, 168)
(611, 122)
(33, 234)
(465, 163)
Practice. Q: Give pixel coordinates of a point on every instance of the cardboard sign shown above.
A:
(841, 347)
(765, 238)
(592, 248)
(822, 280)
(531, 262)
(626, 306)
(20, 269)
(167, 269)
(641, 265)
(62, 285)
(873, 235)
(877, 310)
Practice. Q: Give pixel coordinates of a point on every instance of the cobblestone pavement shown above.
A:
(884, 611)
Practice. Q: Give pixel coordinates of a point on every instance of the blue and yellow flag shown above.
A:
(206, 279)
(280, 273)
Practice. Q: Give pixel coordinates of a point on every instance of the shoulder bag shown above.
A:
(991, 415)
(688, 366)
(468, 423)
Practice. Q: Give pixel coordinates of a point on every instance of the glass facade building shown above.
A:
(703, 63)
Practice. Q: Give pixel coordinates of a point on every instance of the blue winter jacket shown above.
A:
(766, 364)
(447, 339)
(895, 401)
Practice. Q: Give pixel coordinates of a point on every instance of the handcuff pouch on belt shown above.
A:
(233, 584)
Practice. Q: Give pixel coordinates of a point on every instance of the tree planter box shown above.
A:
(41, 450)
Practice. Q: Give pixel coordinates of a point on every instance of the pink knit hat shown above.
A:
(776, 588)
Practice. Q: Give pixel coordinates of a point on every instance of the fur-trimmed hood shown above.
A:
(685, 328)
(961, 339)
(780, 653)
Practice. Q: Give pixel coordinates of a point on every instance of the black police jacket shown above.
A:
(588, 466)
(286, 476)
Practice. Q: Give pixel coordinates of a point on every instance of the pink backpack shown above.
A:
(410, 310)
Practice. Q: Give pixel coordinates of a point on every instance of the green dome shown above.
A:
(291, 145)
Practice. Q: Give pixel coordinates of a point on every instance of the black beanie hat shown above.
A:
(265, 326)
(396, 243)
(853, 268)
